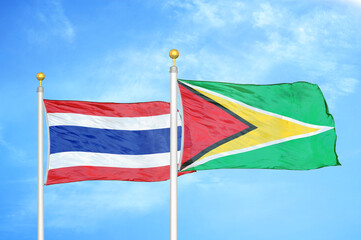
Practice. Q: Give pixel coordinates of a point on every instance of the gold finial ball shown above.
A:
(173, 53)
(40, 76)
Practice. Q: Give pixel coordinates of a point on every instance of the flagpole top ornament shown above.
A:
(40, 76)
(173, 54)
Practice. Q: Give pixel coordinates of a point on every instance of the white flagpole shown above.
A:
(173, 148)
(40, 76)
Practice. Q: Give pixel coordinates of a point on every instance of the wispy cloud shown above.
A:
(215, 188)
(23, 214)
(52, 21)
(11, 149)
(267, 16)
(209, 14)
(339, 87)
(133, 75)
(312, 43)
(139, 74)
(86, 204)
(356, 3)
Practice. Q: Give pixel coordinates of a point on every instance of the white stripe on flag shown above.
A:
(73, 159)
(116, 123)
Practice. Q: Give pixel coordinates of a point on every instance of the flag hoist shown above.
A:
(40, 76)
(173, 147)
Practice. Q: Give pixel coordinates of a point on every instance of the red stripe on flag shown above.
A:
(108, 109)
(205, 124)
(83, 173)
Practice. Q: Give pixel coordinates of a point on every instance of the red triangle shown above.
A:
(205, 123)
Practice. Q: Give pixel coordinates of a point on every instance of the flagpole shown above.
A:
(40, 76)
(173, 148)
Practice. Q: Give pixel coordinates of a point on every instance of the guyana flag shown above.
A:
(281, 126)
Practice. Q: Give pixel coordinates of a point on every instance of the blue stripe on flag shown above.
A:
(84, 139)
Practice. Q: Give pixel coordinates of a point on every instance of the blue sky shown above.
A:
(118, 51)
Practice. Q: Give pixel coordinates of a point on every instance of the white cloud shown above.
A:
(135, 75)
(307, 41)
(313, 42)
(267, 15)
(13, 151)
(217, 186)
(52, 22)
(84, 205)
(22, 215)
(348, 85)
(356, 3)
(339, 87)
(210, 13)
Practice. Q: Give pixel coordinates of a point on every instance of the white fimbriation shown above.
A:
(76, 159)
(40, 91)
(173, 153)
(116, 123)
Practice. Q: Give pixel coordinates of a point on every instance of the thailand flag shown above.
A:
(108, 141)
